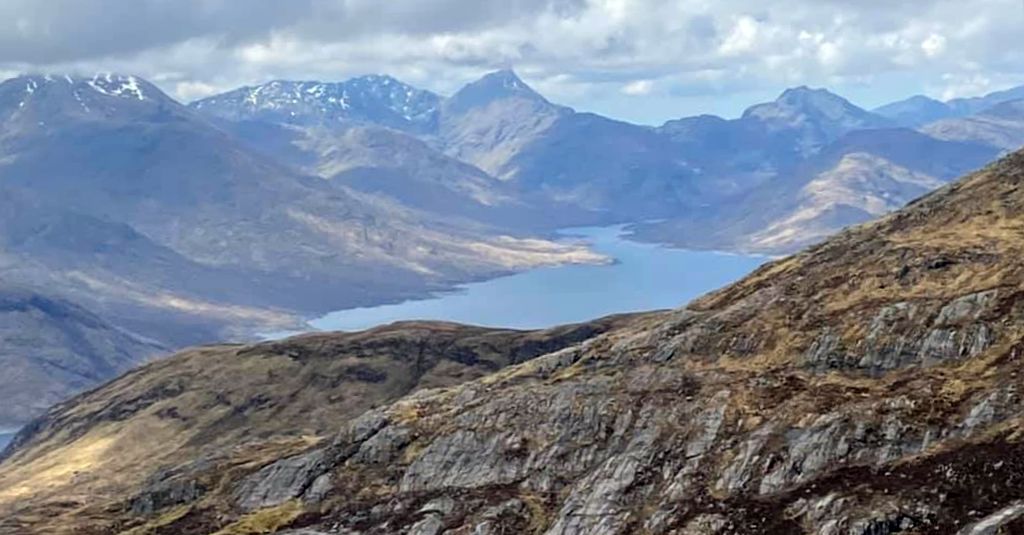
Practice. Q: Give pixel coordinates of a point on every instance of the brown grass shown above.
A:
(264, 521)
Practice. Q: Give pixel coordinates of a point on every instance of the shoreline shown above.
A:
(645, 276)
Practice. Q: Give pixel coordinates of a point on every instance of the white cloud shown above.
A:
(934, 45)
(638, 88)
(956, 85)
(742, 38)
(189, 91)
(829, 54)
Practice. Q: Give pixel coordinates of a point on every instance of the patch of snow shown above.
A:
(108, 84)
(78, 97)
(133, 88)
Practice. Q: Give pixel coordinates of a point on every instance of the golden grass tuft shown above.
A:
(538, 513)
(265, 520)
(166, 519)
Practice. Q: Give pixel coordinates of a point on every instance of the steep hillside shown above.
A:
(625, 171)
(50, 348)
(868, 386)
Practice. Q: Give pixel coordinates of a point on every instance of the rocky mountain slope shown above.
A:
(490, 121)
(866, 386)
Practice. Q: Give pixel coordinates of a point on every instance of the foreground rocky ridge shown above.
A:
(221, 406)
(866, 386)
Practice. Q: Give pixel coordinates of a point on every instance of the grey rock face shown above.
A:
(281, 481)
(167, 494)
(896, 339)
(430, 525)
(631, 450)
(991, 524)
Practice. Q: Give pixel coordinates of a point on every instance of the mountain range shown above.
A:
(248, 211)
(920, 110)
(782, 176)
(868, 385)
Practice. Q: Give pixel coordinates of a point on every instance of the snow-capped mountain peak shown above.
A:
(374, 98)
(47, 94)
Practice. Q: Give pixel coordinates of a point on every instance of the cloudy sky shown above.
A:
(641, 60)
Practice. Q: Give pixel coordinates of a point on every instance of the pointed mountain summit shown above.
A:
(492, 119)
(493, 87)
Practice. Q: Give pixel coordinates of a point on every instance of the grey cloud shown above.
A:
(58, 31)
(331, 19)
(55, 31)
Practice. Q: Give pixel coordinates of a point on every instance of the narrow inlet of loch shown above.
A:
(6, 436)
(643, 277)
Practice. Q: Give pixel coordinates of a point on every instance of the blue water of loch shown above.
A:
(643, 277)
